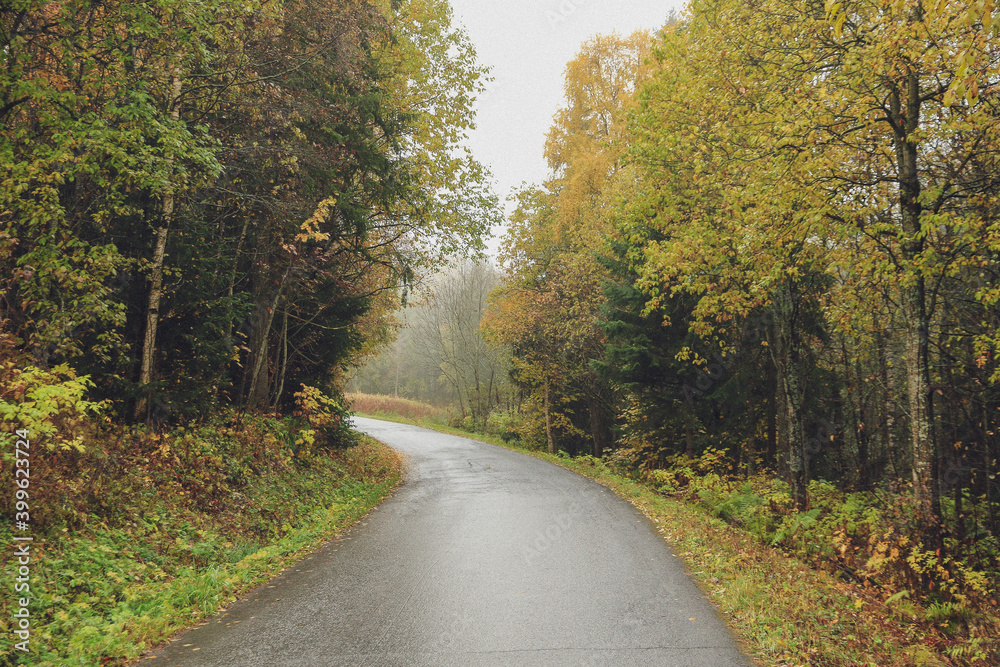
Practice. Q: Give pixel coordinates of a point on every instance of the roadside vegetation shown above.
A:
(157, 529)
(782, 580)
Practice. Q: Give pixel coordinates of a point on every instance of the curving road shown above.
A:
(482, 557)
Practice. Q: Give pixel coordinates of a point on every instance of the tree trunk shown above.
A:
(260, 331)
(853, 461)
(153, 310)
(548, 419)
(914, 298)
(476, 404)
(864, 434)
(780, 413)
(798, 460)
(770, 456)
(598, 428)
(395, 383)
(885, 399)
(284, 361)
(156, 276)
(232, 276)
(787, 360)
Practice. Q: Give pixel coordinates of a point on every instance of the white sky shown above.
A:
(526, 44)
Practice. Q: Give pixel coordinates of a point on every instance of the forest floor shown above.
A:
(786, 612)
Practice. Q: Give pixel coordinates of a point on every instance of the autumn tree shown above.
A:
(439, 354)
(832, 168)
(545, 314)
(407, 201)
(91, 134)
(548, 309)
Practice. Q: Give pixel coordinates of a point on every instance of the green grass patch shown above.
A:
(105, 592)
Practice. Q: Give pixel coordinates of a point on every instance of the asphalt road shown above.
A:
(482, 557)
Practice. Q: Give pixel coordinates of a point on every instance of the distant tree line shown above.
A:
(440, 356)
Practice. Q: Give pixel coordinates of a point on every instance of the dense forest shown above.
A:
(771, 230)
(208, 211)
(774, 236)
(212, 204)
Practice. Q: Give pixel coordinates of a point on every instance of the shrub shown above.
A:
(327, 417)
(877, 541)
(505, 424)
(49, 405)
(48, 409)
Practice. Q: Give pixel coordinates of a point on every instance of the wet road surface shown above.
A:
(482, 557)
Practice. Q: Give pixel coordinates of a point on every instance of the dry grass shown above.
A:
(380, 404)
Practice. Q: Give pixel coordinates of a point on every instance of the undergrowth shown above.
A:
(139, 532)
(942, 600)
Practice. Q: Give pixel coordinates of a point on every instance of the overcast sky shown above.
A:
(527, 44)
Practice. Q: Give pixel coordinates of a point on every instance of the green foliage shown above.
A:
(202, 205)
(548, 309)
(328, 417)
(433, 82)
(506, 425)
(640, 352)
(856, 535)
(48, 404)
(86, 129)
(226, 205)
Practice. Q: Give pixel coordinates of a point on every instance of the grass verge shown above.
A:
(105, 593)
(784, 612)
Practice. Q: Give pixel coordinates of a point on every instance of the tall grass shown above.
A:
(382, 405)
